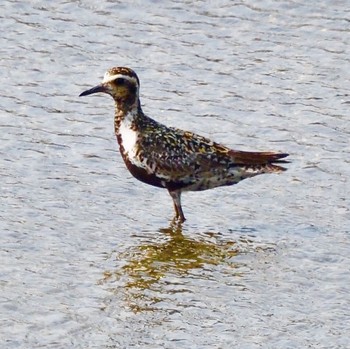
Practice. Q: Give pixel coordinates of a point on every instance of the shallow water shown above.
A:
(89, 256)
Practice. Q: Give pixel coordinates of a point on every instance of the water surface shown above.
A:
(89, 256)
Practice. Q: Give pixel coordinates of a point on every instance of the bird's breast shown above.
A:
(127, 138)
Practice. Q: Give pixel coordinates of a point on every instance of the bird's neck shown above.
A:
(127, 123)
(126, 113)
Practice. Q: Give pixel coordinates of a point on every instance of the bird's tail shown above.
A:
(259, 162)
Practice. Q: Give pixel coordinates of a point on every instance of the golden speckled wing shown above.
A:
(177, 155)
(181, 155)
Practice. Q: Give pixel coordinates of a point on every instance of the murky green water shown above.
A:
(89, 256)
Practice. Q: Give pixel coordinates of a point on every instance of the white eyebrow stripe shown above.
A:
(109, 78)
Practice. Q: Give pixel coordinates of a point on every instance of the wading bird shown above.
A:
(171, 158)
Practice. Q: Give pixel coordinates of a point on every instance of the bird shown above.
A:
(171, 158)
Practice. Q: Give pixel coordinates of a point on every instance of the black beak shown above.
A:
(96, 89)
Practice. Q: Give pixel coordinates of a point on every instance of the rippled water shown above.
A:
(89, 257)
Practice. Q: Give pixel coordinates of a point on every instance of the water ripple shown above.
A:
(85, 260)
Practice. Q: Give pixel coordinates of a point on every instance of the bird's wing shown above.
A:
(179, 154)
(182, 155)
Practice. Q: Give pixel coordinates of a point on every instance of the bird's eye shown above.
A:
(120, 81)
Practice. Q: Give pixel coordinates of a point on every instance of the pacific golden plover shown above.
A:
(171, 158)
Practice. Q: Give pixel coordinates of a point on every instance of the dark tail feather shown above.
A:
(279, 156)
(260, 162)
(256, 158)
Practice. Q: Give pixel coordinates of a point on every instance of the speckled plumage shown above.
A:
(171, 158)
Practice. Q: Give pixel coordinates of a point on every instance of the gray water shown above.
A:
(89, 258)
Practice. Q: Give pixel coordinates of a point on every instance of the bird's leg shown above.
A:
(176, 196)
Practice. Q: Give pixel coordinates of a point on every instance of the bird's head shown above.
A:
(121, 83)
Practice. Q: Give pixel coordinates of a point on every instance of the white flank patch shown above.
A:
(129, 137)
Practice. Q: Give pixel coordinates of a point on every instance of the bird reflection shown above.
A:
(154, 270)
